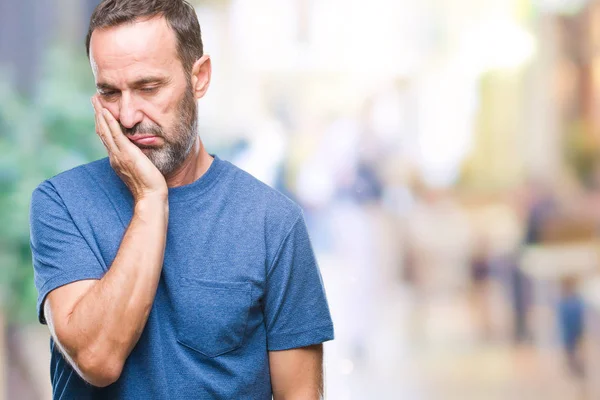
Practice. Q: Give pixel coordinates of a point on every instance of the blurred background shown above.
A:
(446, 154)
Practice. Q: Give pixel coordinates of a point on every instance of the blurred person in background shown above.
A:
(540, 206)
(571, 320)
(480, 286)
(163, 271)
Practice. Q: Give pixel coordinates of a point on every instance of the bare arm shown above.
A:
(96, 323)
(297, 374)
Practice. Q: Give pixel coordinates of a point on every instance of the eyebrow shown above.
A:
(159, 81)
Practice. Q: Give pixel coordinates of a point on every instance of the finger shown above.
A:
(115, 129)
(96, 104)
(100, 136)
(97, 126)
(106, 134)
(102, 128)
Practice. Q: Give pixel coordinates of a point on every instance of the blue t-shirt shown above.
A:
(239, 279)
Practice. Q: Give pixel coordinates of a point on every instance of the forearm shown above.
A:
(312, 393)
(106, 323)
(311, 389)
(297, 374)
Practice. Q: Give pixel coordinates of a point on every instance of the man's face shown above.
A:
(141, 81)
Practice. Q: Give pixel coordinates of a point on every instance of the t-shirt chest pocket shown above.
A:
(211, 317)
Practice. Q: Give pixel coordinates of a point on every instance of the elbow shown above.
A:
(96, 360)
(99, 370)
(97, 363)
(102, 378)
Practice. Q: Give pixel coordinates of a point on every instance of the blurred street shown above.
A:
(446, 154)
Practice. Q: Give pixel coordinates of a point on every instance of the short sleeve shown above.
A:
(296, 309)
(60, 253)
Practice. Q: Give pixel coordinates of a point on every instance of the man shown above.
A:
(165, 272)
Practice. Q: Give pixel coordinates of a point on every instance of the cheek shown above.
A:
(163, 107)
(153, 109)
(160, 109)
(161, 104)
(113, 108)
(157, 110)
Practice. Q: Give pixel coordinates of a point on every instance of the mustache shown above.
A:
(149, 129)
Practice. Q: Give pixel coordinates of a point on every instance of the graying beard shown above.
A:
(169, 159)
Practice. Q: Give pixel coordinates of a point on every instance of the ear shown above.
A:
(201, 76)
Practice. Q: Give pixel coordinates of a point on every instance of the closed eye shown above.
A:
(108, 93)
(149, 89)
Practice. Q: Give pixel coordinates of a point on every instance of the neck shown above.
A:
(193, 167)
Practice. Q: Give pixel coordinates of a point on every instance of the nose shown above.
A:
(129, 112)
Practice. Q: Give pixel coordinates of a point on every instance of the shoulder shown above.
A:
(83, 181)
(82, 174)
(261, 197)
(252, 186)
(83, 178)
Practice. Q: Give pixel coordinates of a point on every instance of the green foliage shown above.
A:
(39, 137)
(581, 149)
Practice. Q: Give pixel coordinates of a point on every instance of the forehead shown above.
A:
(134, 50)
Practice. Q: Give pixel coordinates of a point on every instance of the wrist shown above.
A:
(152, 204)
